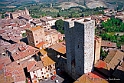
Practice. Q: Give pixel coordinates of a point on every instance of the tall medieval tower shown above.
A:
(79, 36)
(35, 35)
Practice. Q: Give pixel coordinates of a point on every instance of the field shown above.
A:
(76, 8)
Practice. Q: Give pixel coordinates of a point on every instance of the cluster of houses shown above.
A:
(23, 58)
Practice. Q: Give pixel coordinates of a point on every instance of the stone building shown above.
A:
(35, 35)
(41, 70)
(41, 38)
(17, 13)
(79, 36)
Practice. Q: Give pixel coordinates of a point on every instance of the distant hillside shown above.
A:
(116, 4)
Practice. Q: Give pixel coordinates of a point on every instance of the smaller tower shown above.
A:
(97, 47)
(51, 5)
(35, 35)
(27, 12)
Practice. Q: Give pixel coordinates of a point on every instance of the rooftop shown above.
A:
(36, 66)
(35, 28)
(30, 51)
(43, 52)
(47, 61)
(92, 77)
(108, 44)
(16, 71)
(102, 67)
(40, 44)
(113, 58)
(7, 79)
(59, 47)
(30, 65)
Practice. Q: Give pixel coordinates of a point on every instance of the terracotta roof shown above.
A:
(110, 55)
(35, 28)
(30, 64)
(43, 52)
(59, 47)
(91, 78)
(113, 58)
(7, 79)
(5, 60)
(1, 66)
(102, 67)
(40, 44)
(2, 31)
(107, 44)
(16, 71)
(105, 18)
(101, 64)
(47, 61)
(38, 65)
(30, 51)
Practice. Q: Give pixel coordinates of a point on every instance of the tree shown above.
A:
(82, 15)
(122, 38)
(58, 15)
(59, 25)
(103, 53)
(2, 16)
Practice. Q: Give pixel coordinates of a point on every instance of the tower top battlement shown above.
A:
(71, 22)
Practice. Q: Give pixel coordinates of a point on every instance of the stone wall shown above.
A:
(79, 36)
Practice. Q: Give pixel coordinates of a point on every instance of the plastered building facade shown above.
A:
(97, 47)
(79, 36)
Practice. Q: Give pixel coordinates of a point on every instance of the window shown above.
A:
(35, 76)
(78, 46)
(42, 76)
(36, 41)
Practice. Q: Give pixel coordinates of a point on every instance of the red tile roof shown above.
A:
(38, 65)
(47, 61)
(30, 51)
(36, 28)
(5, 79)
(40, 44)
(16, 71)
(59, 47)
(107, 44)
(30, 65)
(102, 67)
(5, 60)
(93, 77)
(2, 31)
(101, 64)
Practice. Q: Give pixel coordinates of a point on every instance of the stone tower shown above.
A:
(27, 12)
(35, 35)
(79, 36)
(97, 47)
